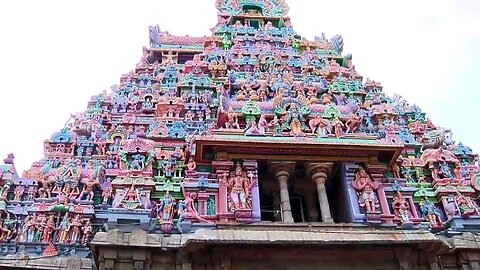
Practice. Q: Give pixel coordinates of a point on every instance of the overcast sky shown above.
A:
(54, 55)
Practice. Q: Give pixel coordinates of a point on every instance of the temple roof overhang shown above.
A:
(271, 235)
(297, 148)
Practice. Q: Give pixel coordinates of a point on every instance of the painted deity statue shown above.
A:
(444, 170)
(353, 123)
(5, 231)
(64, 230)
(191, 166)
(31, 227)
(87, 193)
(430, 213)
(167, 207)
(19, 190)
(87, 232)
(232, 120)
(320, 126)
(131, 200)
(41, 224)
(366, 190)
(401, 208)
(76, 224)
(107, 193)
(137, 163)
(337, 126)
(465, 205)
(186, 208)
(239, 186)
(48, 230)
(276, 126)
(294, 122)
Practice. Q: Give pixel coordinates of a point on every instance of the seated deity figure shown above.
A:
(138, 162)
(131, 199)
(465, 204)
(366, 190)
(353, 123)
(232, 120)
(320, 126)
(191, 166)
(186, 208)
(148, 104)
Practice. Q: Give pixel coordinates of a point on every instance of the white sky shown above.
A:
(54, 55)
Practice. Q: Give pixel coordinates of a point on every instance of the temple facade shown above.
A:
(252, 148)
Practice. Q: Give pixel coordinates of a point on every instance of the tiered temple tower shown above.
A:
(252, 137)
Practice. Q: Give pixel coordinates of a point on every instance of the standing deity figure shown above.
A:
(396, 171)
(32, 227)
(294, 122)
(48, 230)
(24, 230)
(19, 190)
(401, 208)
(366, 190)
(338, 125)
(168, 167)
(76, 224)
(430, 213)
(64, 230)
(5, 232)
(167, 207)
(87, 232)
(262, 125)
(240, 187)
(106, 194)
(32, 191)
(41, 224)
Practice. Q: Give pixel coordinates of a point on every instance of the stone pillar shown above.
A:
(282, 172)
(252, 168)
(319, 173)
(222, 169)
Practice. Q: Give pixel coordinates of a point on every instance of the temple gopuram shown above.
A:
(252, 148)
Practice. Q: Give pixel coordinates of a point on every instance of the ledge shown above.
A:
(259, 234)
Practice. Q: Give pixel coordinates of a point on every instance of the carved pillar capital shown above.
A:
(319, 171)
(282, 168)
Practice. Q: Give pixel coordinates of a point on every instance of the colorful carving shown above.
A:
(366, 190)
(133, 155)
